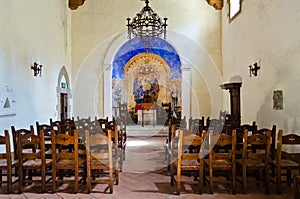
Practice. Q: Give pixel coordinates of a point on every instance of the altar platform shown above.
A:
(147, 130)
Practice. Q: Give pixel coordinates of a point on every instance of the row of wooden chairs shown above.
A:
(65, 165)
(82, 124)
(220, 153)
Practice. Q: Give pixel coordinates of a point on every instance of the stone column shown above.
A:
(186, 92)
(107, 101)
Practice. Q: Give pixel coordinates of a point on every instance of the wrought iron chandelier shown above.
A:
(146, 26)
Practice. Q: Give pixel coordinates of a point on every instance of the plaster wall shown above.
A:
(266, 30)
(33, 31)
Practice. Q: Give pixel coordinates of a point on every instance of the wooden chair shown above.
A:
(68, 125)
(284, 163)
(189, 160)
(6, 161)
(21, 131)
(222, 157)
(99, 158)
(122, 135)
(249, 127)
(65, 161)
(196, 125)
(171, 145)
(172, 142)
(273, 144)
(33, 160)
(117, 147)
(47, 129)
(255, 160)
(56, 125)
(124, 112)
(273, 139)
(103, 122)
(168, 110)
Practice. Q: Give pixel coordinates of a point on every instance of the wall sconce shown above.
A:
(253, 69)
(37, 69)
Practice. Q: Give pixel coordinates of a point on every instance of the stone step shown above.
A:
(147, 130)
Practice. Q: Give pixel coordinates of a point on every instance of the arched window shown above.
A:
(235, 7)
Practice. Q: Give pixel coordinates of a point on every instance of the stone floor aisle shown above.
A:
(145, 176)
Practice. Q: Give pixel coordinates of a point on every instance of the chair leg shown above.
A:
(278, 181)
(288, 177)
(53, 180)
(233, 181)
(20, 180)
(178, 181)
(121, 160)
(76, 177)
(244, 184)
(267, 180)
(172, 175)
(0, 178)
(200, 182)
(211, 181)
(296, 187)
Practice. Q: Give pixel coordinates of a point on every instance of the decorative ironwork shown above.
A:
(37, 69)
(146, 26)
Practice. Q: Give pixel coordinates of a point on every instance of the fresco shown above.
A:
(140, 76)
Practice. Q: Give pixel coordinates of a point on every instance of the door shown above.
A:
(63, 106)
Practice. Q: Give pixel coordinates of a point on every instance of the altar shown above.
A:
(146, 117)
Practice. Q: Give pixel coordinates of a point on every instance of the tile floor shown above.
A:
(145, 176)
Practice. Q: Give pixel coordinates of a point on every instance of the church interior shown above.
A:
(232, 62)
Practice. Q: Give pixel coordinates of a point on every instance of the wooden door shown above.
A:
(63, 106)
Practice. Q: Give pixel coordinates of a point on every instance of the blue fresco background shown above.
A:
(134, 47)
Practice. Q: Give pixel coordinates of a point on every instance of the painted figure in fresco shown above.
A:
(174, 96)
(138, 91)
(154, 90)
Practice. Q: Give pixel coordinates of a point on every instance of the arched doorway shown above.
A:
(63, 92)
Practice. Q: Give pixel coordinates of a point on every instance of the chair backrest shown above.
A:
(21, 131)
(30, 139)
(6, 157)
(56, 125)
(99, 147)
(121, 121)
(190, 147)
(60, 141)
(196, 125)
(123, 109)
(250, 127)
(103, 122)
(287, 140)
(46, 130)
(5, 141)
(273, 138)
(222, 146)
(255, 142)
(68, 125)
(112, 126)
